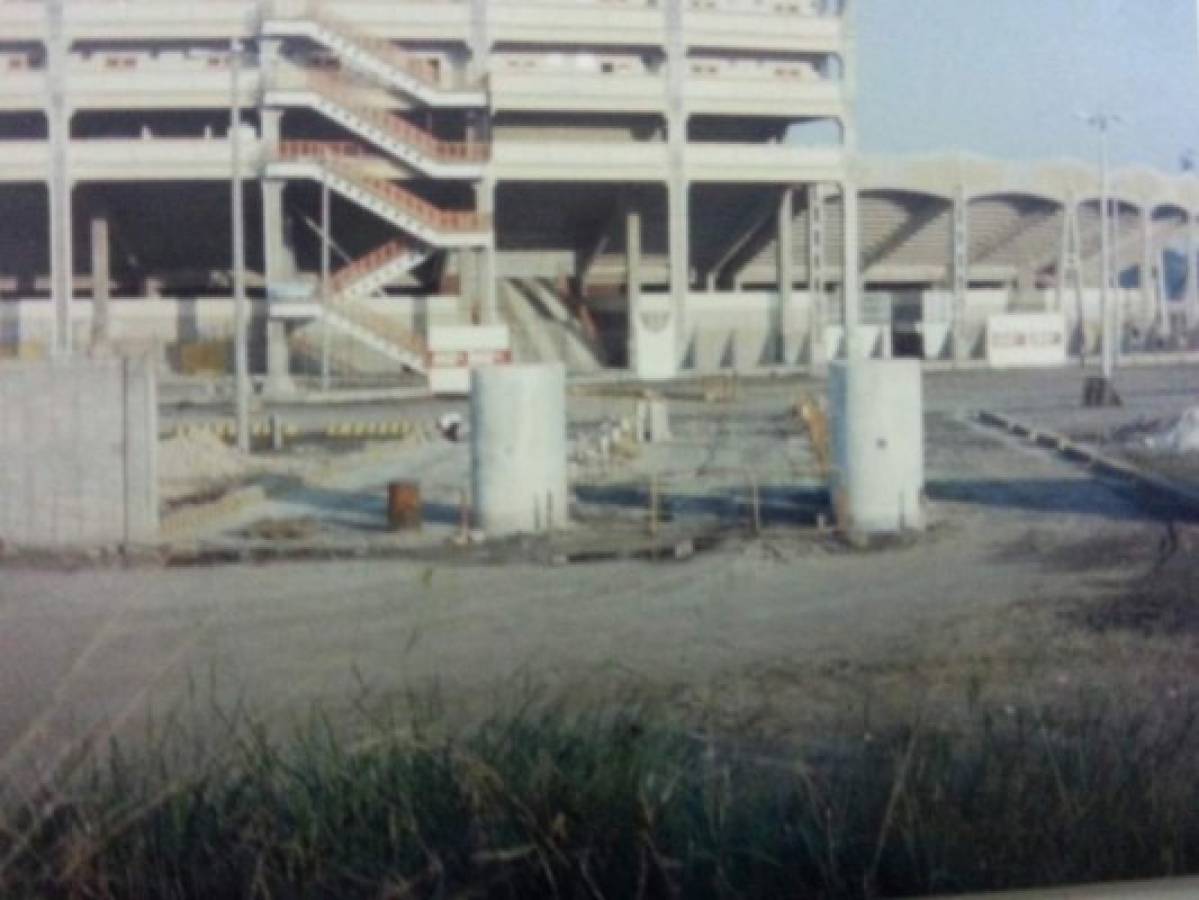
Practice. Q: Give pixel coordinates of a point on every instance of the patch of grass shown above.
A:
(1164, 602)
(547, 802)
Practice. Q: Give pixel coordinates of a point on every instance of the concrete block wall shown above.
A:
(78, 452)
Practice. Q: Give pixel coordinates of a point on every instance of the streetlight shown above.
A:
(1103, 122)
(241, 318)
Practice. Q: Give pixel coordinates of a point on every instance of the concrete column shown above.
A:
(61, 187)
(678, 185)
(851, 280)
(480, 39)
(1192, 297)
(680, 253)
(280, 260)
(1149, 281)
(1163, 290)
(468, 284)
(278, 359)
(101, 282)
(786, 270)
(817, 319)
(632, 243)
(960, 256)
(1063, 262)
(486, 273)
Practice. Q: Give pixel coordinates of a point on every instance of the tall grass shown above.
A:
(618, 804)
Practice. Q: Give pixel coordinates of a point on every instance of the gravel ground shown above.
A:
(779, 636)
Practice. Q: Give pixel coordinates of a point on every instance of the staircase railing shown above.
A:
(345, 163)
(383, 328)
(317, 12)
(403, 132)
(361, 268)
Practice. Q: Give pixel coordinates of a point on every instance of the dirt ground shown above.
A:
(1035, 580)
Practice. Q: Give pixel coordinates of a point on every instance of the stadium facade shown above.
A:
(645, 183)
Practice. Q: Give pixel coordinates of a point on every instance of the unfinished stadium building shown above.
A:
(652, 184)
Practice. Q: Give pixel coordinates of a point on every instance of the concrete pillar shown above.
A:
(1148, 278)
(468, 285)
(786, 271)
(632, 243)
(1063, 263)
(101, 282)
(278, 359)
(817, 319)
(851, 280)
(678, 185)
(1192, 296)
(61, 187)
(960, 273)
(480, 39)
(877, 437)
(679, 240)
(518, 449)
(486, 274)
(277, 247)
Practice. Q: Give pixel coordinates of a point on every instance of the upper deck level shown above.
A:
(771, 26)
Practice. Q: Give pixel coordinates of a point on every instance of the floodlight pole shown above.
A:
(326, 216)
(1105, 298)
(1102, 123)
(241, 318)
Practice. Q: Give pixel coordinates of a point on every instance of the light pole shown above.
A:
(326, 224)
(1102, 122)
(241, 318)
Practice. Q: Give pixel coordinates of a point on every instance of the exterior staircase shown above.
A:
(377, 58)
(376, 270)
(359, 175)
(333, 98)
(345, 172)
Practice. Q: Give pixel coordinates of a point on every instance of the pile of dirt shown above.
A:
(199, 463)
(192, 460)
(1175, 436)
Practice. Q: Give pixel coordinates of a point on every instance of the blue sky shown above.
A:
(1005, 77)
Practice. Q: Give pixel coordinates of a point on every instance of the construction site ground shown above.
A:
(1036, 580)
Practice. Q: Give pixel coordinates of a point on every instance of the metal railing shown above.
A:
(372, 262)
(334, 158)
(316, 12)
(335, 91)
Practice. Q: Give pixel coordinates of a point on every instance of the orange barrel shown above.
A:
(404, 505)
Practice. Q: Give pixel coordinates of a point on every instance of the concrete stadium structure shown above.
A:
(620, 182)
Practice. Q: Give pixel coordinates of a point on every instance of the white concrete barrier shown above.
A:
(78, 453)
(655, 351)
(1026, 340)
